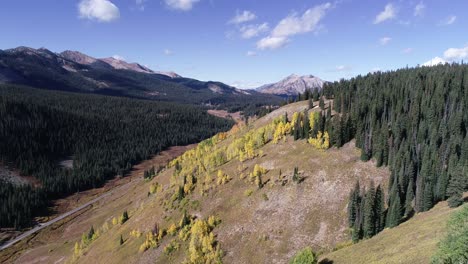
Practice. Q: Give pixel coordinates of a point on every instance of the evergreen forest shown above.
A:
(103, 135)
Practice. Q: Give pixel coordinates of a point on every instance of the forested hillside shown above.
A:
(415, 122)
(103, 135)
(41, 68)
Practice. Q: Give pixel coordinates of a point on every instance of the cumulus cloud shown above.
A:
(419, 9)
(454, 54)
(184, 5)
(168, 52)
(384, 41)
(242, 17)
(434, 61)
(250, 31)
(251, 53)
(100, 10)
(293, 25)
(450, 55)
(389, 12)
(448, 21)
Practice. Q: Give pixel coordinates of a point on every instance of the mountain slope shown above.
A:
(414, 241)
(292, 85)
(257, 225)
(78, 72)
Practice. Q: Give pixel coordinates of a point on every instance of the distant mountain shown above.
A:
(78, 72)
(112, 63)
(292, 85)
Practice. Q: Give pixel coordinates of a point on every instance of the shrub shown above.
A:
(305, 256)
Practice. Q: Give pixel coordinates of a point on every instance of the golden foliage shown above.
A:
(222, 178)
(321, 141)
(135, 233)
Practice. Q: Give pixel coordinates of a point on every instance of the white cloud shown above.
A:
(407, 50)
(118, 57)
(250, 31)
(168, 52)
(244, 16)
(448, 21)
(251, 53)
(184, 5)
(272, 43)
(384, 41)
(450, 55)
(419, 9)
(293, 25)
(100, 10)
(140, 4)
(245, 84)
(434, 61)
(342, 68)
(453, 54)
(388, 13)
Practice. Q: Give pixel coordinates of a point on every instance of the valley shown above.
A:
(70, 211)
(282, 216)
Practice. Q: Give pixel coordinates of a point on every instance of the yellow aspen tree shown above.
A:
(326, 141)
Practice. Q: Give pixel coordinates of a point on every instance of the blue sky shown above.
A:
(245, 43)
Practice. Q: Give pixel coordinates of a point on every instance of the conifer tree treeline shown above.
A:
(104, 135)
(414, 121)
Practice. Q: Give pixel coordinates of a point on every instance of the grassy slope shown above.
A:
(270, 225)
(55, 243)
(414, 241)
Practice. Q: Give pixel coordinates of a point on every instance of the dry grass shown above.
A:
(55, 243)
(414, 241)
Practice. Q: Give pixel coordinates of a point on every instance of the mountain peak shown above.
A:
(120, 64)
(78, 57)
(292, 85)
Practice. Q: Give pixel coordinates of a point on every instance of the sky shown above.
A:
(246, 43)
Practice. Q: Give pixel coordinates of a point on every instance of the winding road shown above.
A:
(55, 220)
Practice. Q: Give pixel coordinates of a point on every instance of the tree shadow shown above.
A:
(326, 261)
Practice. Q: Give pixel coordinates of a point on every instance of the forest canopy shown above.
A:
(103, 135)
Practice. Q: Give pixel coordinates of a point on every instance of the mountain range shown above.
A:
(77, 72)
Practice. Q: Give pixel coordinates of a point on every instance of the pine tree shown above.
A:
(455, 189)
(315, 94)
(379, 210)
(91, 233)
(353, 204)
(124, 217)
(322, 103)
(297, 128)
(185, 220)
(295, 177)
(409, 199)
(369, 212)
(395, 212)
(311, 103)
(306, 126)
